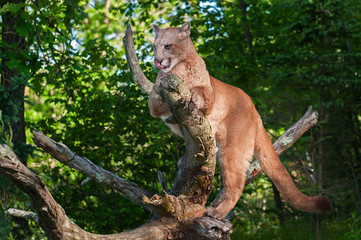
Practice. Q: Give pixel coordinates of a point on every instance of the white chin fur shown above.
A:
(171, 66)
(166, 69)
(174, 127)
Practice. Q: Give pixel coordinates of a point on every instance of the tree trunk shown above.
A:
(11, 38)
(247, 32)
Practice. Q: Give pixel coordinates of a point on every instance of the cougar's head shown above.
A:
(171, 46)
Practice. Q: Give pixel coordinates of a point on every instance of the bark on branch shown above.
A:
(22, 214)
(140, 79)
(66, 156)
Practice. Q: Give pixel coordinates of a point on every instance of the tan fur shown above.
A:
(235, 123)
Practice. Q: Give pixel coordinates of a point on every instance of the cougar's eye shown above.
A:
(167, 46)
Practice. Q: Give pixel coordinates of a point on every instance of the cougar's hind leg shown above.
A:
(235, 156)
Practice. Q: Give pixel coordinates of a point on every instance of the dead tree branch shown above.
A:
(66, 156)
(140, 79)
(22, 214)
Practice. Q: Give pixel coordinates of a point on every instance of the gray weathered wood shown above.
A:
(22, 214)
(140, 79)
(66, 156)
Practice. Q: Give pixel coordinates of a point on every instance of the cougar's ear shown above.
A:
(156, 28)
(185, 30)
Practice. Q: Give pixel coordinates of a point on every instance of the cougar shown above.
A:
(235, 122)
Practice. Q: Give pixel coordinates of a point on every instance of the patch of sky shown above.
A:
(209, 6)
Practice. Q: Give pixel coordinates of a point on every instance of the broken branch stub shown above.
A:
(22, 214)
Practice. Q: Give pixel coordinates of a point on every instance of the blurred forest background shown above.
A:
(63, 71)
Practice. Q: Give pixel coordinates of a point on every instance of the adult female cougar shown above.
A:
(235, 123)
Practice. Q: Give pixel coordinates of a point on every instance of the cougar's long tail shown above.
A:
(275, 170)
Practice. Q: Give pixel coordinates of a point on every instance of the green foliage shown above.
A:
(5, 224)
(354, 225)
(12, 197)
(9, 110)
(300, 228)
(5, 137)
(293, 230)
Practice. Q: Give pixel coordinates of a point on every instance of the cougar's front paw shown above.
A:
(198, 101)
(213, 213)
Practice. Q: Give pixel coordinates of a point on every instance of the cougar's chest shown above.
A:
(194, 74)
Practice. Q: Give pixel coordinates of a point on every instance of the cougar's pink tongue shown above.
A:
(158, 65)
